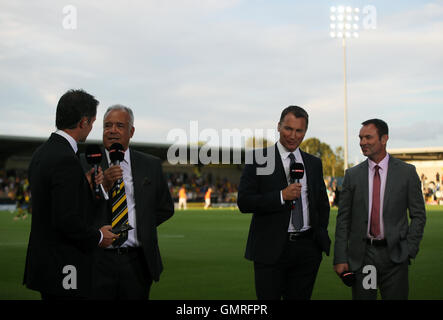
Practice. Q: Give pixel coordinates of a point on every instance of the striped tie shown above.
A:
(119, 212)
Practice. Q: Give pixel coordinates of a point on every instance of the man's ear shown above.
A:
(384, 139)
(132, 132)
(83, 122)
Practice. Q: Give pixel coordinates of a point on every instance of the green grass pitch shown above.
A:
(203, 257)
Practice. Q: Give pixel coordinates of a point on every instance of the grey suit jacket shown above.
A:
(402, 194)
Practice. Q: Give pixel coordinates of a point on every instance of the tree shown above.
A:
(332, 161)
(260, 142)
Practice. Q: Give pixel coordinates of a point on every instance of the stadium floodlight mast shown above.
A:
(344, 25)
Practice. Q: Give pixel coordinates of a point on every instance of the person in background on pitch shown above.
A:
(372, 222)
(126, 269)
(182, 198)
(61, 235)
(208, 198)
(286, 242)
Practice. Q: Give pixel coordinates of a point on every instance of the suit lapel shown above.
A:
(137, 178)
(365, 183)
(104, 164)
(308, 169)
(279, 170)
(390, 178)
(135, 174)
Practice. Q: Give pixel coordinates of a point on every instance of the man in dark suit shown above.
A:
(61, 242)
(288, 229)
(372, 222)
(126, 270)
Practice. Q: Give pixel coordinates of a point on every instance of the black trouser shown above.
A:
(50, 296)
(121, 274)
(293, 276)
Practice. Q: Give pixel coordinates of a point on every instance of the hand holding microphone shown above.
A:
(94, 157)
(293, 191)
(114, 174)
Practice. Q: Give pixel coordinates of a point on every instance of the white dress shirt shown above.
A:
(284, 154)
(70, 139)
(130, 200)
(383, 172)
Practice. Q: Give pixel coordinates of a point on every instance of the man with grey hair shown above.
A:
(126, 269)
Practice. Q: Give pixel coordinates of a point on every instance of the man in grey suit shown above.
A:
(372, 222)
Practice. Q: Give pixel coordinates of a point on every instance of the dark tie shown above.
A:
(297, 210)
(375, 210)
(119, 212)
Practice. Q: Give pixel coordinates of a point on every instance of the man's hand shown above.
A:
(340, 268)
(112, 174)
(98, 177)
(108, 236)
(292, 192)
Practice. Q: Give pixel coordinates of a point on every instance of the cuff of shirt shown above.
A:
(281, 198)
(101, 236)
(105, 194)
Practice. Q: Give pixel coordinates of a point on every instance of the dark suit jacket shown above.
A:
(260, 194)
(61, 228)
(153, 205)
(402, 194)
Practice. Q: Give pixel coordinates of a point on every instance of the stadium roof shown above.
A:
(410, 154)
(25, 146)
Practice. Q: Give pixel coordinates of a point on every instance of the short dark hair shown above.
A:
(382, 127)
(72, 106)
(297, 111)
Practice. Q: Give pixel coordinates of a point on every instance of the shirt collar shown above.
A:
(70, 139)
(284, 153)
(382, 164)
(127, 157)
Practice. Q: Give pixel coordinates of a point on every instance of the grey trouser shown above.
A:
(392, 278)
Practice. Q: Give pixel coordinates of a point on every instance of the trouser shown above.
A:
(182, 203)
(121, 274)
(292, 277)
(391, 278)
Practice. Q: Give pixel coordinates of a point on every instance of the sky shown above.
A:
(225, 64)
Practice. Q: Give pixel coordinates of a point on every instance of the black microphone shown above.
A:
(348, 278)
(94, 157)
(117, 154)
(296, 172)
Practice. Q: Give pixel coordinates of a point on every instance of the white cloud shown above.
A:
(221, 63)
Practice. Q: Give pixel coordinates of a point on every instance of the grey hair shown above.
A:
(121, 107)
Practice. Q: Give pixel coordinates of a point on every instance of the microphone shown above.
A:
(94, 157)
(348, 278)
(296, 172)
(117, 154)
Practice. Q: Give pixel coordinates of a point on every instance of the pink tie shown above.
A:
(375, 210)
